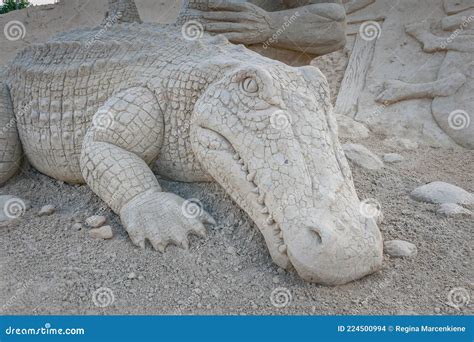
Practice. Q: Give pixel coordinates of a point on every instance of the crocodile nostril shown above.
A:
(316, 235)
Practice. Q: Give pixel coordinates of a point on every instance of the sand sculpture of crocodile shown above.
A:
(103, 110)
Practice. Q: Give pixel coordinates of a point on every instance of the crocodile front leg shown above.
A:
(125, 138)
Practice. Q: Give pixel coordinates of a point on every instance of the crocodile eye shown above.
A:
(249, 85)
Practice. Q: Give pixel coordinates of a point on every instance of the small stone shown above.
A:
(140, 277)
(96, 221)
(230, 250)
(281, 270)
(197, 291)
(401, 143)
(47, 210)
(437, 310)
(131, 275)
(400, 248)
(453, 210)
(392, 158)
(362, 157)
(104, 232)
(77, 226)
(276, 280)
(441, 192)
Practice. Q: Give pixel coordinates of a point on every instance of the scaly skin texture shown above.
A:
(104, 111)
(10, 151)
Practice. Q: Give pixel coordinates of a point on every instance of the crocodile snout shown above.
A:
(333, 253)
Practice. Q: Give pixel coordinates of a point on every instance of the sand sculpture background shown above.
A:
(68, 252)
(408, 78)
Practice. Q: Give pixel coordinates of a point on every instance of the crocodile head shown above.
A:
(267, 135)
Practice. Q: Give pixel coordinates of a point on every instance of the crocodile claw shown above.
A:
(163, 219)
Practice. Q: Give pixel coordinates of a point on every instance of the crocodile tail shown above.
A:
(10, 146)
(122, 11)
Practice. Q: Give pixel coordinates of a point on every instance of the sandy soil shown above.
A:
(48, 267)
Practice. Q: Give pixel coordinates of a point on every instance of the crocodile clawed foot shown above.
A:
(163, 218)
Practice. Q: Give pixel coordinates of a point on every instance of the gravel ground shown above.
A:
(48, 267)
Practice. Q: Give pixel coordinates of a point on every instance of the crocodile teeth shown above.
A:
(236, 156)
(261, 199)
(244, 167)
(264, 210)
(270, 220)
(256, 191)
(251, 176)
(241, 161)
(282, 248)
(281, 235)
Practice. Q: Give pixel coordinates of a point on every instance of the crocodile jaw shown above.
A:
(322, 246)
(215, 151)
